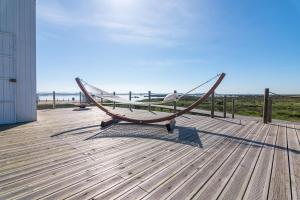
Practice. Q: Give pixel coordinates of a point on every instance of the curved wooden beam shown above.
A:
(154, 120)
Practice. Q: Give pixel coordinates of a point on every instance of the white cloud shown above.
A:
(132, 21)
(52, 12)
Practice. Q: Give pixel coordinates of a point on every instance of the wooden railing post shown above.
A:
(213, 105)
(233, 107)
(130, 99)
(225, 106)
(101, 98)
(270, 110)
(54, 104)
(83, 98)
(175, 104)
(149, 98)
(114, 106)
(266, 106)
(80, 98)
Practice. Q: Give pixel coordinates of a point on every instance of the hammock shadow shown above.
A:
(81, 129)
(183, 135)
(81, 109)
(248, 142)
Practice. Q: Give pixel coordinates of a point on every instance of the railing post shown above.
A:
(213, 104)
(149, 98)
(114, 106)
(175, 104)
(54, 100)
(101, 98)
(266, 106)
(225, 106)
(80, 98)
(83, 100)
(130, 99)
(233, 107)
(270, 110)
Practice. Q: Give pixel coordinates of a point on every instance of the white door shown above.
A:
(7, 79)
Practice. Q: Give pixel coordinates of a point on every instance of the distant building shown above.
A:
(17, 61)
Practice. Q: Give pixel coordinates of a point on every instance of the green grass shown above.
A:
(284, 108)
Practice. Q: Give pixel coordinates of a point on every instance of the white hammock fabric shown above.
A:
(172, 97)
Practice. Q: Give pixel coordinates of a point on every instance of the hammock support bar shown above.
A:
(153, 120)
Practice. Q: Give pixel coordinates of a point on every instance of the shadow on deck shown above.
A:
(253, 143)
(183, 135)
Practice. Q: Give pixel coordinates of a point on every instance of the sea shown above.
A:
(75, 96)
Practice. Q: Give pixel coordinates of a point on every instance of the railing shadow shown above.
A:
(253, 143)
(284, 126)
(76, 129)
(229, 121)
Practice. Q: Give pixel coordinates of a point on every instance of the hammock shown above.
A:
(171, 97)
(92, 93)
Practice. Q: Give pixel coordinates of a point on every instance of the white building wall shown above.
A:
(18, 17)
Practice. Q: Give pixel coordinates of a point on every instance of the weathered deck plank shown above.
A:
(89, 193)
(280, 178)
(236, 169)
(153, 182)
(192, 171)
(145, 175)
(203, 159)
(259, 182)
(294, 160)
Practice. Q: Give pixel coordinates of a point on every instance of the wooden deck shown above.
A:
(65, 155)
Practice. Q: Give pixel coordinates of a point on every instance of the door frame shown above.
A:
(12, 59)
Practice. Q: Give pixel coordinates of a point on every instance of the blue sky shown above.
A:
(157, 45)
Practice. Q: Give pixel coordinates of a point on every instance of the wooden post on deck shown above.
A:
(149, 98)
(213, 105)
(80, 98)
(225, 106)
(233, 107)
(175, 105)
(83, 99)
(266, 106)
(130, 93)
(54, 100)
(114, 106)
(270, 110)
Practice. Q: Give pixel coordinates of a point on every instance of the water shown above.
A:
(66, 96)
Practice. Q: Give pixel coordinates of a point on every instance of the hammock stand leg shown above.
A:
(109, 122)
(171, 125)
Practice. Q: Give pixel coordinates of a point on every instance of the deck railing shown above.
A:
(268, 106)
